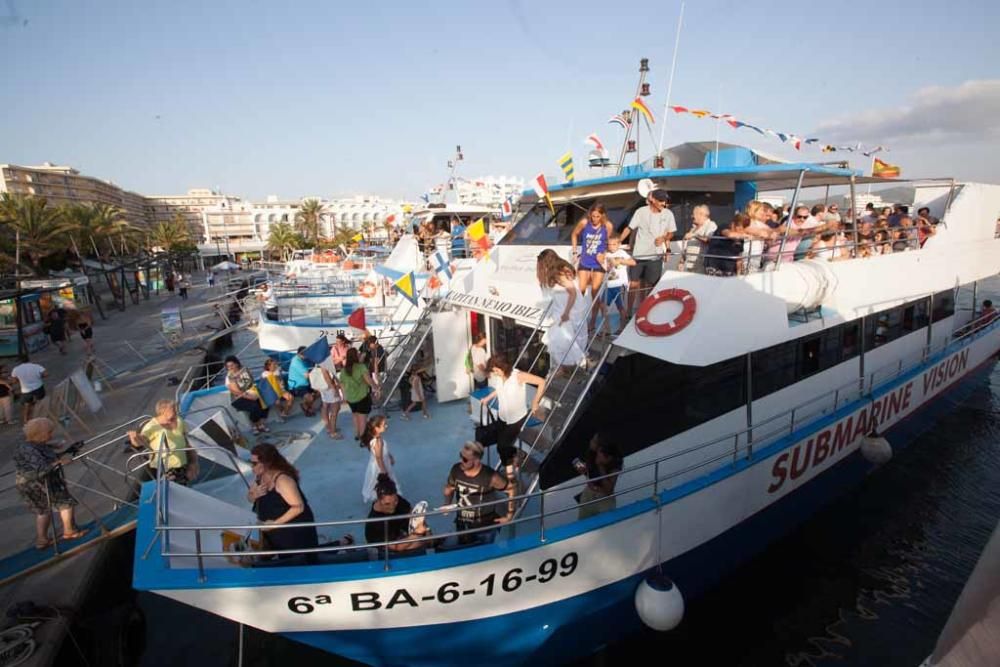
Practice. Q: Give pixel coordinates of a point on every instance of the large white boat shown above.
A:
(778, 388)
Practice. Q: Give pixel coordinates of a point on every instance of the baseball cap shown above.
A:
(660, 195)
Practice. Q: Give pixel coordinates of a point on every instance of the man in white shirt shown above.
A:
(29, 377)
(653, 226)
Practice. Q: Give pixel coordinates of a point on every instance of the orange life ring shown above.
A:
(688, 308)
(367, 289)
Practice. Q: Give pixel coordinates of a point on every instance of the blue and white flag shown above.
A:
(441, 264)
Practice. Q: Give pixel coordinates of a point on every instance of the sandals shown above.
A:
(74, 535)
(42, 546)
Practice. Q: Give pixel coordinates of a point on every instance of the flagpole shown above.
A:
(718, 123)
(643, 68)
(670, 84)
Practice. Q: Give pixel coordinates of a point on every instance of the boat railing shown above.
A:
(549, 508)
(755, 254)
(96, 473)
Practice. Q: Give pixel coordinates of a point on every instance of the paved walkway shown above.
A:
(140, 362)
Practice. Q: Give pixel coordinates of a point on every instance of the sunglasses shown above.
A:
(254, 463)
(464, 459)
(802, 217)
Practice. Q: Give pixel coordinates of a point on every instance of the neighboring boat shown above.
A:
(742, 403)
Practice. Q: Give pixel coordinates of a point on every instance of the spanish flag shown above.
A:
(477, 234)
(882, 169)
(407, 286)
(641, 107)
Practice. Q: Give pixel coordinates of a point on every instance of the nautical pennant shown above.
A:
(506, 209)
(357, 319)
(641, 107)
(541, 188)
(619, 119)
(441, 264)
(595, 142)
(882, 169)
(407, 286)
(566, 162)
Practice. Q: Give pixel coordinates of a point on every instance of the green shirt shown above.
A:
(355, 387)
(176, 439)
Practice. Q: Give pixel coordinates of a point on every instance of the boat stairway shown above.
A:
(561, 400)
(405, 351)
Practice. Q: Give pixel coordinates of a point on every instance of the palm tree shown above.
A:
(172, 235)
(308, 218)
(37, 226)
(282, 239)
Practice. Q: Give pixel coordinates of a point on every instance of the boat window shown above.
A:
(849, 340)
(508, 337)
(944, 305)
(539, 227)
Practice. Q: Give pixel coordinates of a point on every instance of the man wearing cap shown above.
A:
(653, 226)
(470, 483)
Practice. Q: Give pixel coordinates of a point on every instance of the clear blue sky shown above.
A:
(330, 98)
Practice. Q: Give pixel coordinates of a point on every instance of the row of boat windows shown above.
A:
(651, 400)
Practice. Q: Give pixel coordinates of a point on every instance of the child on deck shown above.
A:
(617, 261)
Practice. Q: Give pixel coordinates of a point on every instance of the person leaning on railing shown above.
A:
(180, 464)
(39, 480)
(602, 464)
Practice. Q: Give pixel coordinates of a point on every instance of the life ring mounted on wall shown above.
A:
(367, 289)
(688, 308)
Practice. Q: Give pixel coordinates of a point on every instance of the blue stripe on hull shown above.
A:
(577, 627)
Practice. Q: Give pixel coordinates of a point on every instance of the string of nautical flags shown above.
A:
(790, 138)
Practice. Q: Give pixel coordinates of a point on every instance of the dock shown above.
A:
(135, 366)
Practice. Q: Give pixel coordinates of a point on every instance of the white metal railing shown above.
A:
(744, 441)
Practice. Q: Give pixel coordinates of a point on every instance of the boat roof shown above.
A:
(688, 171)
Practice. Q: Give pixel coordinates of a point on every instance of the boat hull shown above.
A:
(700, 529)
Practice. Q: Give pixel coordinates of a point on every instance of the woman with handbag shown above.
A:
(510, 390)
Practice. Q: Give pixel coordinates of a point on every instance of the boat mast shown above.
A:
(643, 70)
(670, 82)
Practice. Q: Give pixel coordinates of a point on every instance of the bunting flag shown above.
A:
(407, 286)
(480, 240)
(882, 169)
(566, 163)
(506, 209)
(541, 188)
(357, 237)
(641, 107)
(441, 264)
(357, 319)
(784, 137)
(434, 282)
(619, 119)
(390, 219)
(318, 351)
(594, 141)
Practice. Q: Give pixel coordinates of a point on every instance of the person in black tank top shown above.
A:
(277, 499)
(469, 484)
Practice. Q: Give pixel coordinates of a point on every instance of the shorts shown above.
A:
(596, 268)
(615, 296)
(362, 407)
(32, 397)
(86, 334)
(299, 392)
(646, 271)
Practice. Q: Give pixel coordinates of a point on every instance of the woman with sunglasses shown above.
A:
(278, 500)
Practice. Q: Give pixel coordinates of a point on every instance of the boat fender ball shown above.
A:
(876, 450)
(659, 602)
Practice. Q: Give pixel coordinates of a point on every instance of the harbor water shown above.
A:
(869, 581)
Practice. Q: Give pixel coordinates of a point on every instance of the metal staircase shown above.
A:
(401, 356)
(562, 397)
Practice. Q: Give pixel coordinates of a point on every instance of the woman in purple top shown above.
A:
(595, 230)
